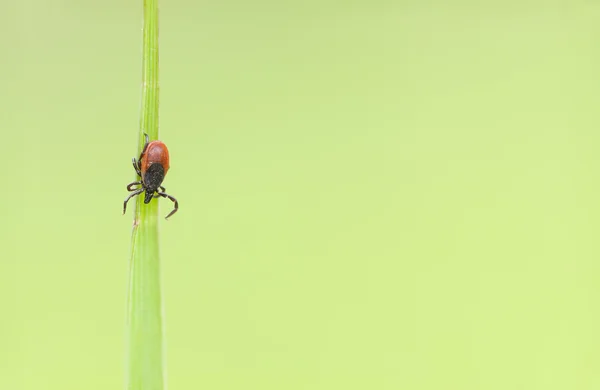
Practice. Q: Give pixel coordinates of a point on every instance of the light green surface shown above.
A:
(145, 358)
(372, 195)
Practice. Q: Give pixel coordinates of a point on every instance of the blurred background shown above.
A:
(374, 194)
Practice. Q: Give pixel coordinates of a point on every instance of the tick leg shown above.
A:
(143, 151)
(165, 195)
(135, 183)
(134, 193)
(162, 189)
(136, 166)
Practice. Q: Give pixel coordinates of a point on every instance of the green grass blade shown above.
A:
(144, 308)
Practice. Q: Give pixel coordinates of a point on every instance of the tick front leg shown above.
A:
(136, 192)
(175, 207)
(135, 183)
(162, 189)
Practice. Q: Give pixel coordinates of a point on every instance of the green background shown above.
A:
(374, 195)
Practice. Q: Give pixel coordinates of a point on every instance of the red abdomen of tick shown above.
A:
(156, 153)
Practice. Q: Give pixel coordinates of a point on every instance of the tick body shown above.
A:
(151, 167)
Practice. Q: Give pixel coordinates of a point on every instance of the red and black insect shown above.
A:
(151, 168)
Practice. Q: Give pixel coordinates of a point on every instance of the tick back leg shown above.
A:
(143, 150)
(136, 166)
(165, 195)
(136, 192)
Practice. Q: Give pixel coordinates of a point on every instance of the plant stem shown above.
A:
(144, 306)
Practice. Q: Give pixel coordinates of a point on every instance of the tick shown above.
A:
(151, 167)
